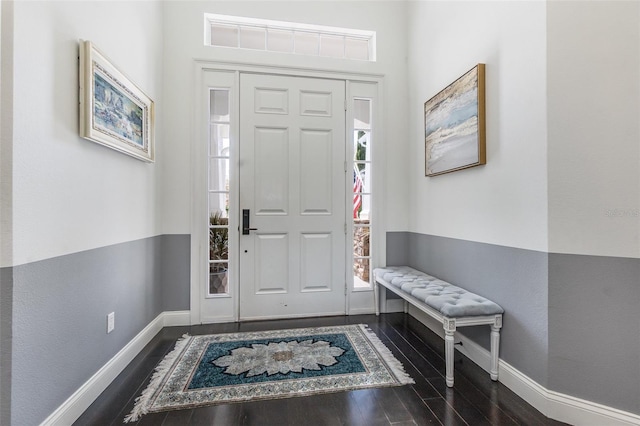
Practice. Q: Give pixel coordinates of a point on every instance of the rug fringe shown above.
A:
(141, 406)
(396, 366)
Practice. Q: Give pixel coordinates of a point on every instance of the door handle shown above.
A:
(246, 228)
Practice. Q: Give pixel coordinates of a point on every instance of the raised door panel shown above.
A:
(271, 273)
(271, 165)
(316, 172)
(271, 101)
(317, 104)
(315, 262)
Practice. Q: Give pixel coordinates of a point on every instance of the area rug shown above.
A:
(234, 367)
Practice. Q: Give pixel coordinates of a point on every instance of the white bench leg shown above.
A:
(449, 331)
(382, 299)
(495, 348)
(376, 302)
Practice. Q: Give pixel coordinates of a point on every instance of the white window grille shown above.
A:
(218, 191)
(289, 37)
(362, 179)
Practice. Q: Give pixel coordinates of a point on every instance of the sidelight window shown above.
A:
(362, 193)
(218, 188)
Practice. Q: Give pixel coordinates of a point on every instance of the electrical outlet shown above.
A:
(111, 322)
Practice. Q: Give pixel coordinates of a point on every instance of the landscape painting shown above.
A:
(455, 125)
(114, 112)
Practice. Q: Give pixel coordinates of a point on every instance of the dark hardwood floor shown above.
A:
(474, 400)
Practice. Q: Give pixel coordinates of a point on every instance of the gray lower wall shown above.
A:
(175, 272)
(59, 315)
(594, 329)
(6, 319)
(571, 322)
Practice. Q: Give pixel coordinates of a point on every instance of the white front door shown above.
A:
(293, 184)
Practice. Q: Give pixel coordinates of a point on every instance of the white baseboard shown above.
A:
(176, 318)
(362, 311)
(81, 399)
(555, 405)
(562, 407)
(215, 320)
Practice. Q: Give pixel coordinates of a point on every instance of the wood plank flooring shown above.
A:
(474, 400)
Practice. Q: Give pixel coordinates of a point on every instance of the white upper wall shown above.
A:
(505, 201)
(70, 194)
(6, 130)
(594, 133)
(184, 37)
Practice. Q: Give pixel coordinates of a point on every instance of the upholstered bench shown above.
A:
(450, 305)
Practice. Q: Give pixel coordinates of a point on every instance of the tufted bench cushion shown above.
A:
(451, 301)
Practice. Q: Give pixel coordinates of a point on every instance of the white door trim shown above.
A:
(198, 152)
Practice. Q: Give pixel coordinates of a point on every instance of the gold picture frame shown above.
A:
(454, 124)
(114, 112)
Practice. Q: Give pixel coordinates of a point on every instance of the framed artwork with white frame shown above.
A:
(114, 112)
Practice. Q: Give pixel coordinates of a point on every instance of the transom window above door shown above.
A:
(289, 37)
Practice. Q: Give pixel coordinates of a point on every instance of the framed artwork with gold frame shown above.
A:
(454, 123)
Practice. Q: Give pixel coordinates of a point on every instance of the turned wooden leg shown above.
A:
(448, 355)
(449, 331)
(495, 348)
(382, 299)
(376, 302)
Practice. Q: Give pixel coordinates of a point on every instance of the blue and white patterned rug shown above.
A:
(225, 368)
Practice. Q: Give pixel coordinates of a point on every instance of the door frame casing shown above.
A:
(203, 70)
